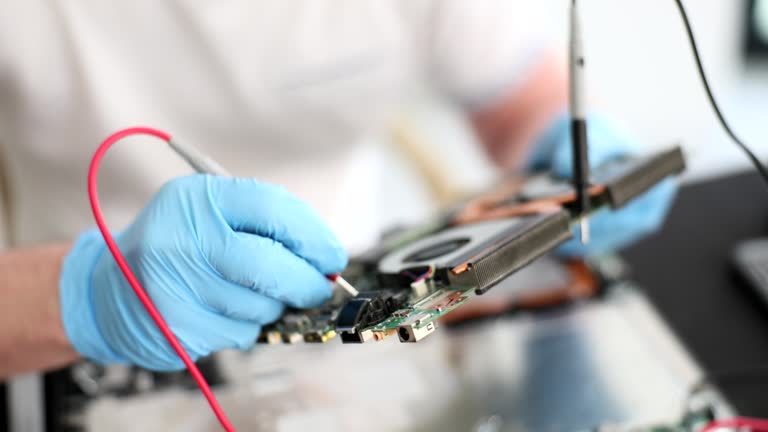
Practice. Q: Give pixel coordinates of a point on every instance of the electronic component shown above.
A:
(480, 255)
(416, 328)
(270, 337)
(368, 308)
(555, 284)
(418, 276)
(628, 178)
(312, 326)
(613, 184)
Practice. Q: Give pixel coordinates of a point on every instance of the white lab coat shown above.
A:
(285, 91)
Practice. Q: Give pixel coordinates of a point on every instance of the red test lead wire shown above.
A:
(131, 278)
(737, 423)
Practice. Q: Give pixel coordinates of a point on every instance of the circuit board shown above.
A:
(412, 314)
(437, 275)
(413, 323)
(417, 276)
(417, 318)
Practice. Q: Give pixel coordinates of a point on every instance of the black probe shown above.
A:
(579, 125)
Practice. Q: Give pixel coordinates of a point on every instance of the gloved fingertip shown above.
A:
(649, 210)
(247, 339)
(666, 191)
(313, 297)
(168, 363)
(572, 249)
(337, 260)
(178, 365)
(271, 313)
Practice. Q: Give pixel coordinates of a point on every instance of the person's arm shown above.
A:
(509, 125)
(216, 266)
(32, 336)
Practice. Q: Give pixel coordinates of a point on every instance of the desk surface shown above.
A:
(686, 273)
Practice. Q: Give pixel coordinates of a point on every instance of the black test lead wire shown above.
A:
(712, 102)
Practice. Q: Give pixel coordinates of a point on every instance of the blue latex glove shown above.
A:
(609, 230)
(218, 256)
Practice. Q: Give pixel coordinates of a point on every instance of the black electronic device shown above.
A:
(750, 259)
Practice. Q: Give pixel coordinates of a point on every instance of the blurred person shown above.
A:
(284, 92)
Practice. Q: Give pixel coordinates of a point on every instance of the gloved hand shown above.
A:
(609, 230)
(219, 257)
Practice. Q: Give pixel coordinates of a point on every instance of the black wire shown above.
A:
(755, 161)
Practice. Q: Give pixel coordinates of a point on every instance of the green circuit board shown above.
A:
(414, 322)
(417, 318)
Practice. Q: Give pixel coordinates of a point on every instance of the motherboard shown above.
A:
(418, 275)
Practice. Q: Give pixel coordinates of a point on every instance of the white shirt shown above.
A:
(285, 91)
